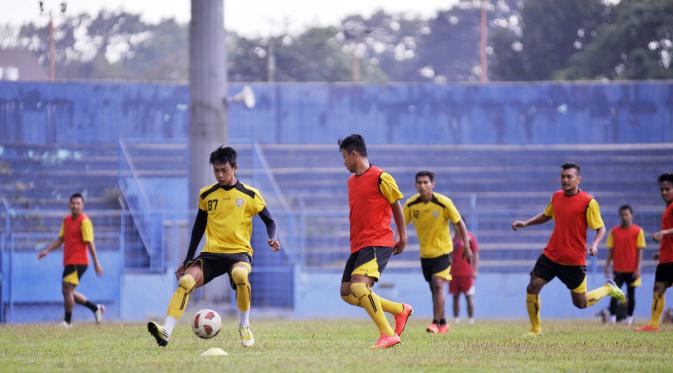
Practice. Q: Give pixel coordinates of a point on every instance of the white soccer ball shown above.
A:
(206, 324)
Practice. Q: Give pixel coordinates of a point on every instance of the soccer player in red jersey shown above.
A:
(573, 211)
(463, 273)
(76, 235)
(625, 242)
(373, 198)
(663, 277)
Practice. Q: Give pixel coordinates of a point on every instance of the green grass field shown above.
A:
(339, 345)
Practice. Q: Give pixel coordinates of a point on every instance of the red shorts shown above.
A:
(461, 284)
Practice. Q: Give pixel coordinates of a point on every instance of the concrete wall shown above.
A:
(419, 113)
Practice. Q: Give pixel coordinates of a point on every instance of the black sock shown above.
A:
(68, 317)
(442, 322)
(90, 306)
(435, 322)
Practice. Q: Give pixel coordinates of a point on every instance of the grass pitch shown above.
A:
(339, 345)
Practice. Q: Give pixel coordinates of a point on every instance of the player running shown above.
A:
(430, 214)
(573, 211)
(663, 278)
(373, 198)
(626, 242)
(225, 214)
(76, 235)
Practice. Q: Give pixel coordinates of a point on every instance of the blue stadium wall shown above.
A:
(541, 113)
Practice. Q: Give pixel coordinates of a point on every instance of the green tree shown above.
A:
(637, 45)
(550, 33)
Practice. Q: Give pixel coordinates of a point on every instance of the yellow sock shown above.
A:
(351, 299)
(387, 305)
(243, 293)
(178, 303)
(391, 307)
(371, 302)
(533, 305)
(658, 303)
(595, 295)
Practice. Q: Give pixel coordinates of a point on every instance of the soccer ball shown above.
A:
(207, 323)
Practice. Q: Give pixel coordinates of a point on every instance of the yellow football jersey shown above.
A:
(230, 211)
(431, 220)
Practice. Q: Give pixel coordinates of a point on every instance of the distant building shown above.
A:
(20, 64)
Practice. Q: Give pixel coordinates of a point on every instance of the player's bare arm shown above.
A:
(398, 215)
(608, 261)
(593, 248)
(659, 235)
(94, 256)
(540, 218)
(461, 230)
(51, 247)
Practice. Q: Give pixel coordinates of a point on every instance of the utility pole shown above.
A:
(52, 49)
(207, 91)
(483, 40)
(52, 41)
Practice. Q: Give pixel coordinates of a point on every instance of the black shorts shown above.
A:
(369, 261)
(440, 266)
(214, 265)
(571, 276)
(622, 278)
(664, 273)
(72, 273)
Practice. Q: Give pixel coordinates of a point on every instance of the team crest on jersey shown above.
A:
(435, 213)
(239, 202)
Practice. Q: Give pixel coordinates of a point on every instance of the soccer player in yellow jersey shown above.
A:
(431, 213)
(225, 214)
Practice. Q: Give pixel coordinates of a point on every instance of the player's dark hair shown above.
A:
(76, 195)
(224, 155)
(665, 177)
(354, 142)
(429, 174)
(625, 207)
(569, 165)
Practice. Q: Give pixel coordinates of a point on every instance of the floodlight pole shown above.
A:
(207, 92)
(483, 42)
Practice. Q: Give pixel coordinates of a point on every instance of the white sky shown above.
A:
(247, 17)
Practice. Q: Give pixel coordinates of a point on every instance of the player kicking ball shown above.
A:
(573, 211)
(225, 214)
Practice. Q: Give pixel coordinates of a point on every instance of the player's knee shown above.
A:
(187, 282)
(240, 275)
(532, 288)
(359, 289)
(580, 303)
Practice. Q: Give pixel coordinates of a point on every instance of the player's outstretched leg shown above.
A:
(176, 308)
(609, 288)
(96, 309)
(401, 311)
(371, 302)
(239, 274)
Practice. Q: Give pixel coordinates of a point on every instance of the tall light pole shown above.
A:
(52, 42)
(207, 91)
(483, 40)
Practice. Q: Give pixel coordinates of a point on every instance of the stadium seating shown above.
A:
(492, 185)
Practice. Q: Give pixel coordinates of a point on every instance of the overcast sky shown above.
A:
(247, 17)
